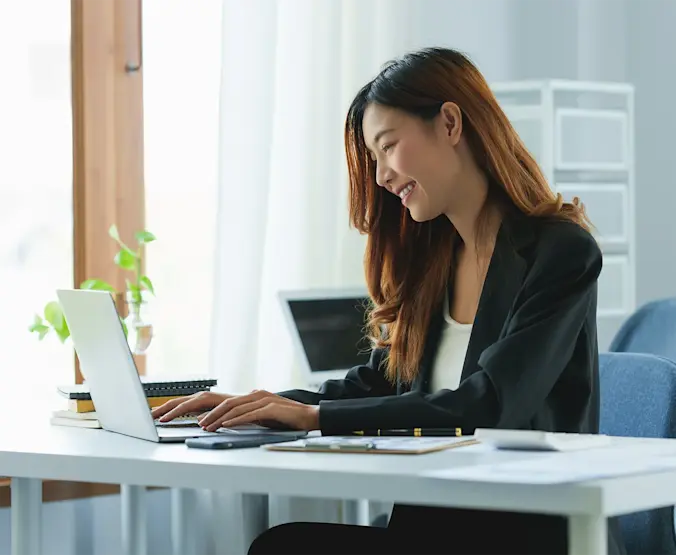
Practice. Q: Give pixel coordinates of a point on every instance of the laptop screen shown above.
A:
(332, 331)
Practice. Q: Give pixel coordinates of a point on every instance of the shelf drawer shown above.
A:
(607, 206)
(527, 122)
(591, 139)
(614, 286)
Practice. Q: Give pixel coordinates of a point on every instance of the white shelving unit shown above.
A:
(582, 135)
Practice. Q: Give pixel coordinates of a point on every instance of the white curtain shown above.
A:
(289, 71)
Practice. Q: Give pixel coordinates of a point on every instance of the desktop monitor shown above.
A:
(328, 328)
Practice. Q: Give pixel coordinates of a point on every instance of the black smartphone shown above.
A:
(227, 441)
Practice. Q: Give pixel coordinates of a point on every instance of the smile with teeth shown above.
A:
(406, 190)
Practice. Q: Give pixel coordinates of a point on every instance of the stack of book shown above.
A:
(80, 410)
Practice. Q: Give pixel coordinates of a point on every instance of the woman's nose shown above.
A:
(384, 176)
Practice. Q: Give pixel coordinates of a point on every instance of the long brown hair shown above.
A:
(407, 263)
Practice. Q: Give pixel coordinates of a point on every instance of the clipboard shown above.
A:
(374, 445)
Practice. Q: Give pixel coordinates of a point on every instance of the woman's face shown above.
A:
(416, 160)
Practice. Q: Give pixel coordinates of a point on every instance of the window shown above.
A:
(181, 59)
(36, 229)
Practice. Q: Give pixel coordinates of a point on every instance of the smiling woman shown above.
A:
(483, 285)
(442, 137)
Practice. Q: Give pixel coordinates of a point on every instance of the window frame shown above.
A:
(108, 170)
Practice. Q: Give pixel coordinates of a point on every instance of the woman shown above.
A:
(483, 285)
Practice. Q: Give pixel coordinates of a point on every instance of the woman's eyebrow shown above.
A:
(378, 136)
(380, 133)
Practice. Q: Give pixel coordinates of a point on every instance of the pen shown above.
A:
(335, 447)
(415, 432)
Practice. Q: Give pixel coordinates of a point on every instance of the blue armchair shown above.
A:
(638, 399)
(651, 329)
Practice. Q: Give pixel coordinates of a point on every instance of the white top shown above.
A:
(451, 354)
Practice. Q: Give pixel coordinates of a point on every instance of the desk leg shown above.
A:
(26, 516)
(363, 512)
(279, 510)
(349, 509)
(133, 520)
(355, 511)
(238, 519)
(587, 535)
(183, 508)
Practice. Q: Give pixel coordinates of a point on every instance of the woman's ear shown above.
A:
(451, 119)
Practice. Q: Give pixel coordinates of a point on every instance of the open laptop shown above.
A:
(328, 330)
(108, 366)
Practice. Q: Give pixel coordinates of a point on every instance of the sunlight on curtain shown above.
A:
(290, 70)
(181, 57)
(36, 228)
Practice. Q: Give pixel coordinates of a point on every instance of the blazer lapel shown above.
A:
(423, 379)
(503, 281)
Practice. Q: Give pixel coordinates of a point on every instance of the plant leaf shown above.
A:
(115, 234)
(97, 284)
(54, 314)
(112, 231)
(63, 333)
(126, 259)
(144, 237)
(42, 330)
(38, 326)
(130, 252)
(145, 280)
(37, 321)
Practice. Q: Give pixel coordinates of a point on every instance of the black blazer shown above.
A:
(532, 359)
(531, 363)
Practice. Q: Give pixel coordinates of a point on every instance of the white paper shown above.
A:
(399, 443)
(374, 444)
(568, 466)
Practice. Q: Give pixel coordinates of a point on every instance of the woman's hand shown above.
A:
(198, 402)
(264, 408)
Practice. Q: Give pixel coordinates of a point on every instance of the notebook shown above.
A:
(377, 445)
(74, 422)
(155, 388)
(90, 420)
(83, 406)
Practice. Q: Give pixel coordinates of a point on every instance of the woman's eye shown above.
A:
(387, 147)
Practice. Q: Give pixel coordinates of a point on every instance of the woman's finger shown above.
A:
(231, 413)
(218, 413)
(179, 410)
(166, 407)
(271, 411)
(194, 403)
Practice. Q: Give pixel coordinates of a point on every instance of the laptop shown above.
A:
(107, 364)
(328, 328)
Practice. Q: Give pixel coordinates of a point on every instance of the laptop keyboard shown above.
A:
(180, 422)
(183, 432)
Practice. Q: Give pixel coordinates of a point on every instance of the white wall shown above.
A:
(483, 29)
(650, 66)
(620, 40)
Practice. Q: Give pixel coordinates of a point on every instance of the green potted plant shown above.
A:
(136, 324)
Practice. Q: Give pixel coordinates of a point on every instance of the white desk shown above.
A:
(52, 452)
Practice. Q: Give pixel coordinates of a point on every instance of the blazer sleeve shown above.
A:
(361, 381)
(517, 372)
